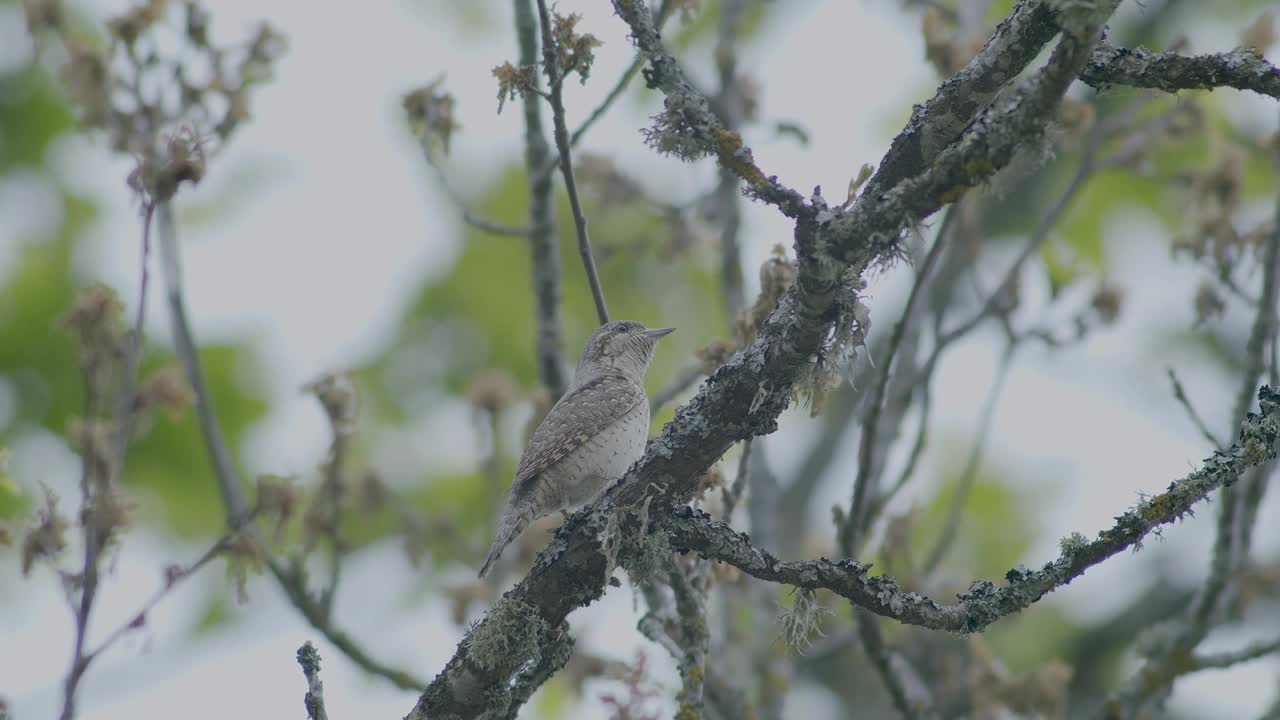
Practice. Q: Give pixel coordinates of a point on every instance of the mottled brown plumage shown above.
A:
(592, 435)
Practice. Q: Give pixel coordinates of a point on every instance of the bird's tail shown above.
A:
(508, 529)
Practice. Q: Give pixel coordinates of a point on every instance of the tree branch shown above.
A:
(235, 507)
(555, 78)
(969, 475)
(234, 504)
(543, 237)
(663, 12)
(878, 654)
(688, 128)
(1180, 394)
(854, 528)
(937, 123)
(309, 659)
(1242, 69)
(985, 603)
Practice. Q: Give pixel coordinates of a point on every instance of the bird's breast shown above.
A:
(603, 458)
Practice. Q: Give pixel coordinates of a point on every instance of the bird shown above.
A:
(591, 436)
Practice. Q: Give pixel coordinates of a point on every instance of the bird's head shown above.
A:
(621, 345)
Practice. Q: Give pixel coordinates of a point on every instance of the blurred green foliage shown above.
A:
(38, 358)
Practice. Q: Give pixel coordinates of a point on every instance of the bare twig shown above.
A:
(969, 475)
(309, 659)
(555, 78)
(1227, 659)
(235, 506)
(854, 528)
(995, 301)
(1153, 682)
(92, 491)
(234, 503)
(89, 568)
(671, 391)
(664, 12)
(125, 408)
(1265, 331)
(733, 493)
(1180, 394)
(469, 215)
(878, 654)
(172, 578)
(336, 395)
(913, 456)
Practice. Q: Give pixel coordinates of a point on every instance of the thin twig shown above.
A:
(1265, 331)
(125, 408)
(555, 78)
(123, 431)
(173, 577)
(309, 659)
(1230, 540)
(671, 391)
(1180, 394)
(664, 12)
(734, 491)
(854, 528)
(469, 215)
(913, 457)
(235, 507)
(333, 488)
(1039, 237)
(878, 654)
(969, 475)
(89, 568)
(1227, 659)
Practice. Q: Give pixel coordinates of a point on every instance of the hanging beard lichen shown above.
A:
(848, 333)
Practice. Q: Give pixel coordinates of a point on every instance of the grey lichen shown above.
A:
(802, 621)
(510, 632)
(643, 550)
(1072, 543)
(677, 131)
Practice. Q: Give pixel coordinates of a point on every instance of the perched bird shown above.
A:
(591, 437)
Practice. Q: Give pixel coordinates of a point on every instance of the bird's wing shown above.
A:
(580, 415)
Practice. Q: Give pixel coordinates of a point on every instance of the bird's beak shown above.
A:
(659, 332)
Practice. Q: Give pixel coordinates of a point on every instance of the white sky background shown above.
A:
(331, 222)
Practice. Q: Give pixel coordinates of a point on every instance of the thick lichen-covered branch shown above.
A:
(937, 123)
(985, 603)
